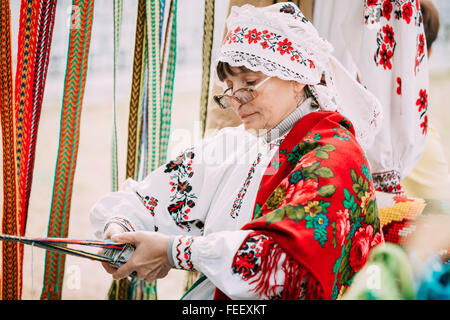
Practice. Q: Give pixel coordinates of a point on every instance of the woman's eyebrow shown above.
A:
(247, 73)
(241, 71)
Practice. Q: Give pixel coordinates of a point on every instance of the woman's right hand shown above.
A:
(112, 230)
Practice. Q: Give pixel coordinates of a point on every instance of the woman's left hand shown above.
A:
(149, 260)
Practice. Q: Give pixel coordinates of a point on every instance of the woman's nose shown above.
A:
(235, 103)
(237, 87)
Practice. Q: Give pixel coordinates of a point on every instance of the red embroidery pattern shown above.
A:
(424, 125)
(268, 41)
(184, 253)
(386, 47)
(387, 9)
(407, 12)
(248, 257)
(150, 203)
(253, 36)
(399, 88)
(404, 10)
(401, 227)
(388, 181)
(422, 103)
(420, 52)
(389, 35)
(240, 197)
(297, 14)
(392, 231)
(182, 199)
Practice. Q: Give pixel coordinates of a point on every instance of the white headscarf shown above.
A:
(280, 42)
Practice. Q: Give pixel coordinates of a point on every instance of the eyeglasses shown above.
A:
(242, 96)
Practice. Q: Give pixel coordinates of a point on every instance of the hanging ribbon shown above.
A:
(144, 152)
(208, 34)
(46, 23)
(79, 40)
(34, 40)
(153, 19)
(142, 290)
(117, 16)
(119, 289)
(11, 271)
(29, 15)
(136, 92)
(26, 53)
(169, 80)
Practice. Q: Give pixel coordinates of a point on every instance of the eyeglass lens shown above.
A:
(244, 96)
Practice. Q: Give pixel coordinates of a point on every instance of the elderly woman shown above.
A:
(280, 207)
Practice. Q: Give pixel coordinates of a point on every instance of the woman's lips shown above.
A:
(244, 116)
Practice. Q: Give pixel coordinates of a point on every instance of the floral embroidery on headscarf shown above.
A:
(267, 40)
(290, 9)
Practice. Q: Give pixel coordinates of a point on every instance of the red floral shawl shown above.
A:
(316, 203)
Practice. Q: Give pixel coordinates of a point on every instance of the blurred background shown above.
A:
(85, 279)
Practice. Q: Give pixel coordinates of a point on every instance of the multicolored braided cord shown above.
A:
(34, 40)
(11, 267)
(117, 16)
(208, 35)
(79, 41)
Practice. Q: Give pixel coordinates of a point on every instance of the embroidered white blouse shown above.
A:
(202, 199)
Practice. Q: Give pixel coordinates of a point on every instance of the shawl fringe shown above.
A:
(294, 272)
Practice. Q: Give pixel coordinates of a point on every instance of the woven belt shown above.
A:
(11, 267)
(35, 34)
(208, 35)
(79, 40)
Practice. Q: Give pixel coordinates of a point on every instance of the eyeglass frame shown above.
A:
(251, 89)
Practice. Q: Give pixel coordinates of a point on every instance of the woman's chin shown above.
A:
(254, 128)
(250, 126)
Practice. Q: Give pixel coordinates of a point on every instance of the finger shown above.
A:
(112, 230)
(140, 276)
(126, 237)
(150, 279)
(123, 271)
(108, 268)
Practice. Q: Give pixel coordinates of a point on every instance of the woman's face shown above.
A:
(275, 99)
